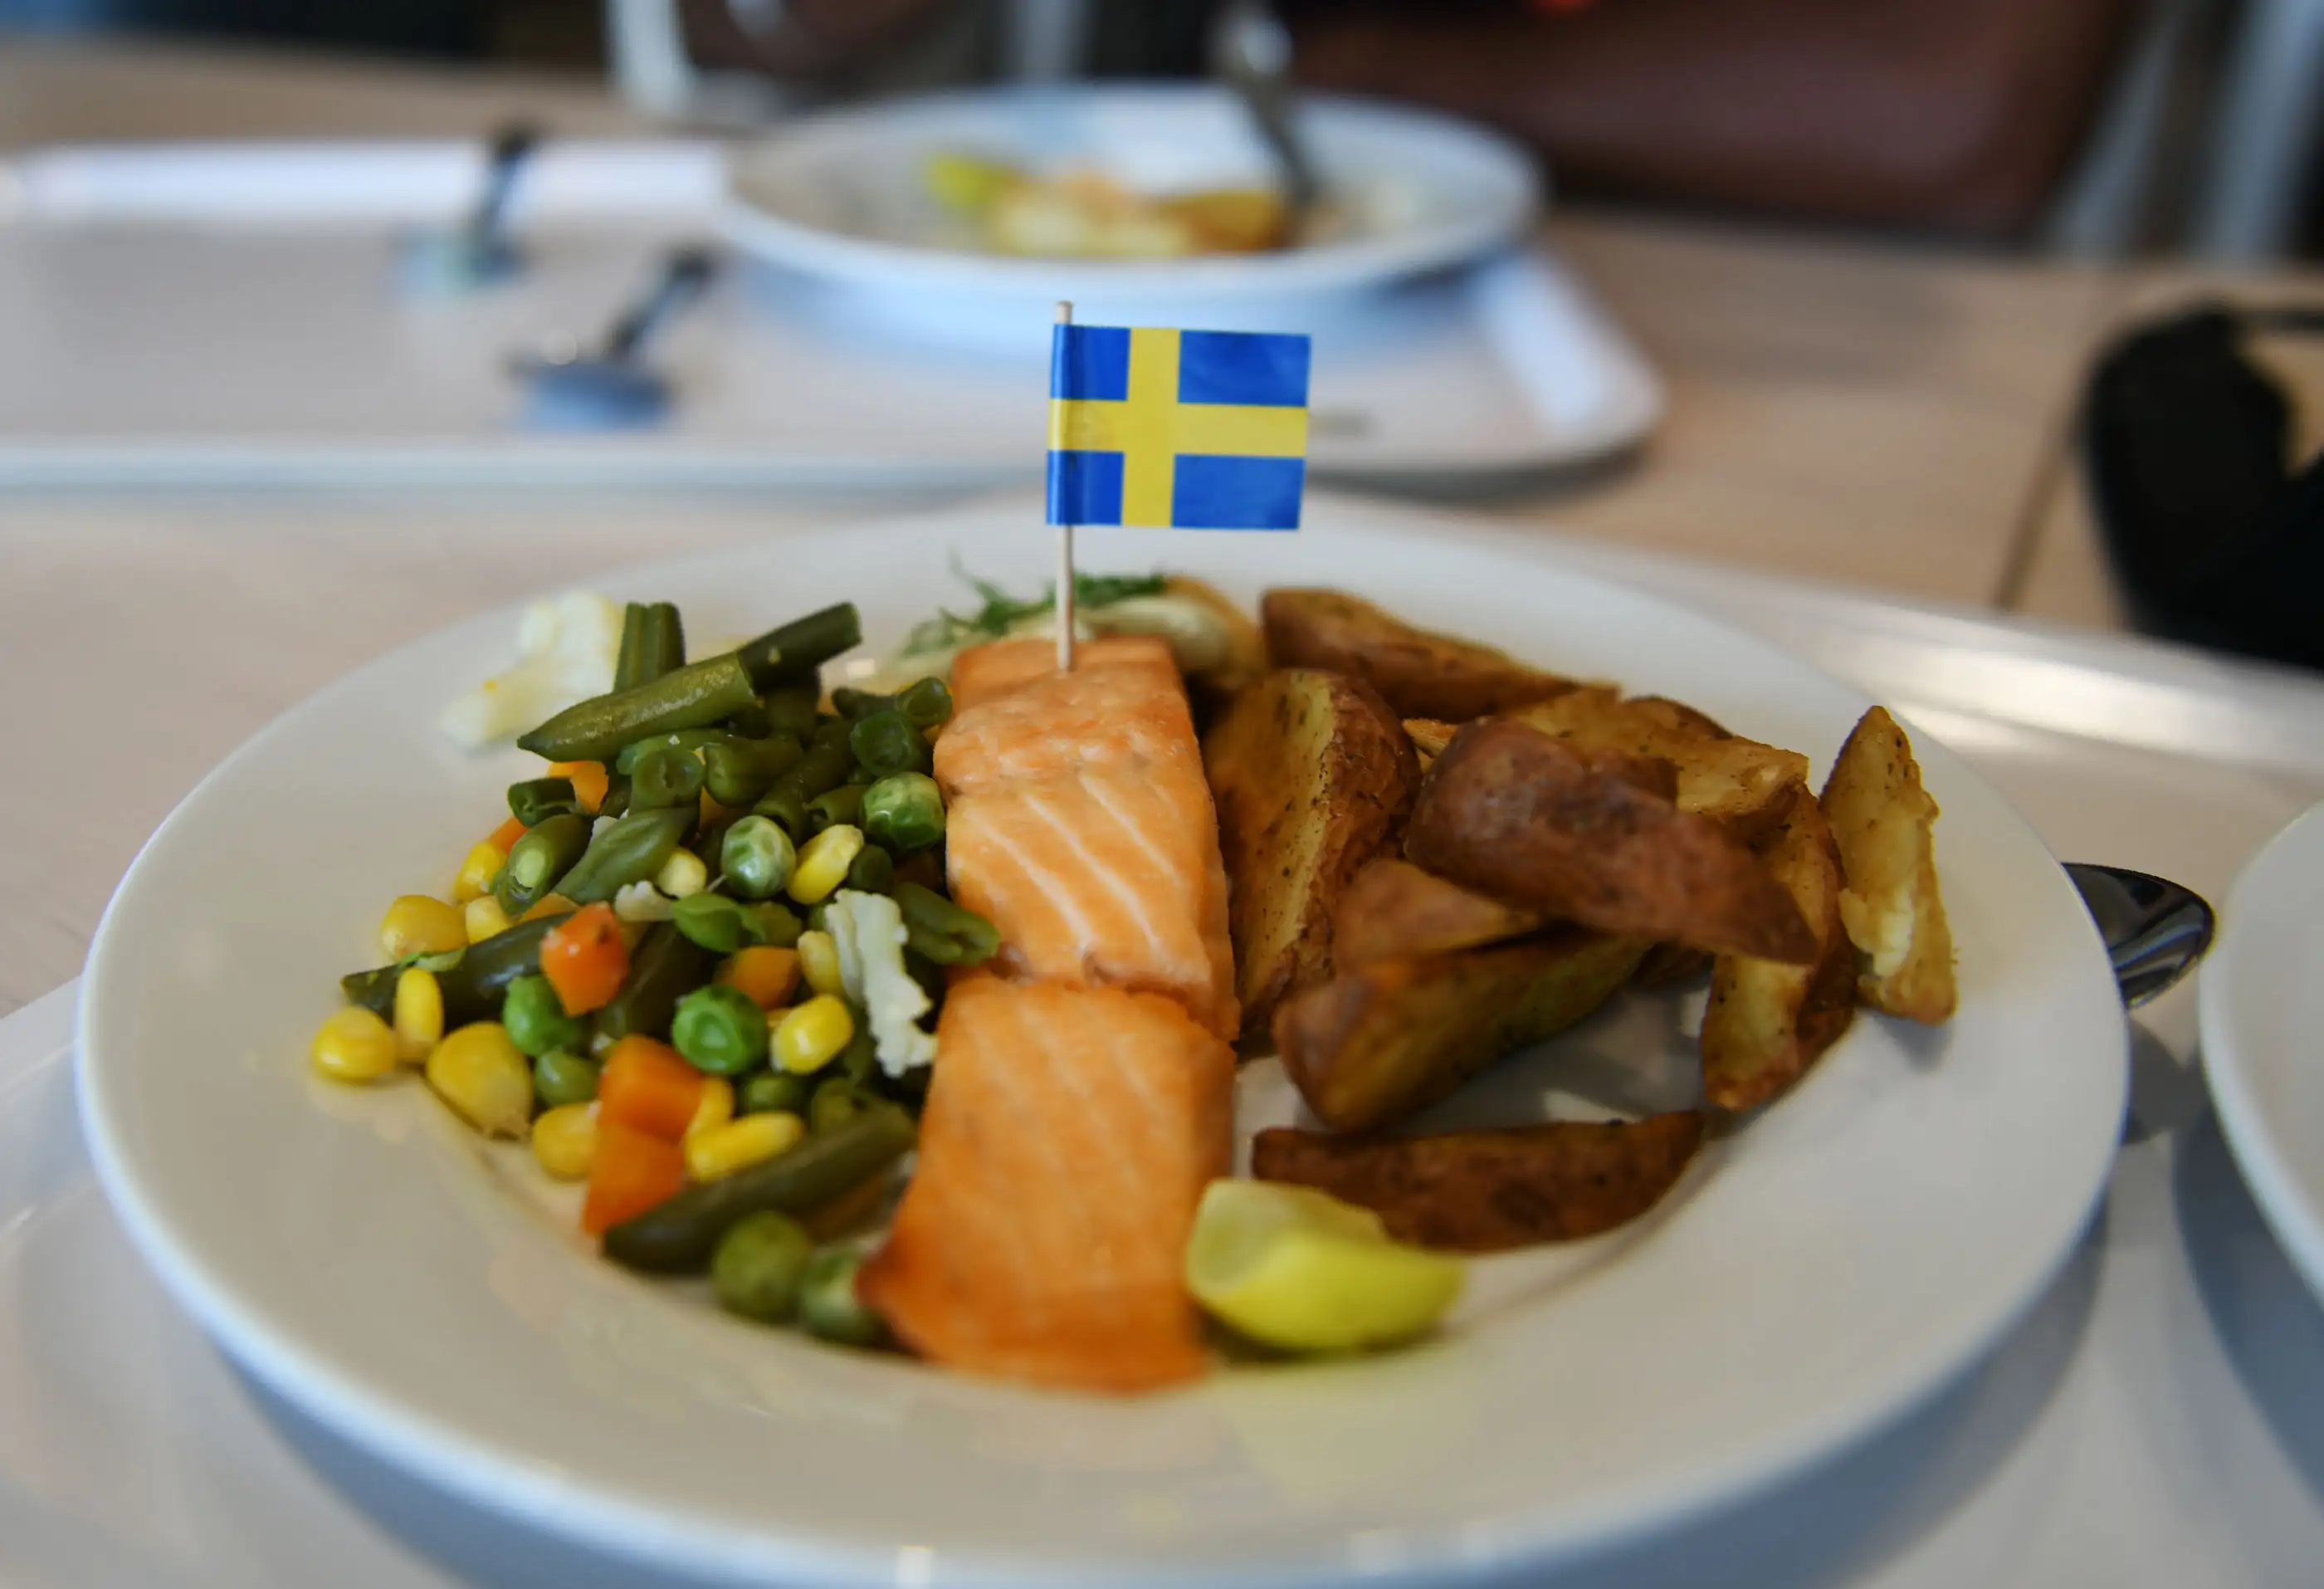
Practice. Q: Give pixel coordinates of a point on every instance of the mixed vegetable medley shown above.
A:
(698, 965)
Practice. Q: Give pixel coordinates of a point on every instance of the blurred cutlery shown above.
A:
(478, 251)
(1250, 51)
(2154, 929)
(613, 387)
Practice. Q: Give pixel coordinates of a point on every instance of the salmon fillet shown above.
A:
(1068, 1137)
(1079, 823)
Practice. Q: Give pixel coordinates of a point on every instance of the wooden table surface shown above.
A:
(1852, 412)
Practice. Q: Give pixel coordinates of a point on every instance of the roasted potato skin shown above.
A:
(1742, 785)
(1312, 777)
(1884, 823)
(1537, 822)
(1380, 1040)
(1486, 1191)
(1419, 673)
(1393, 908)
(1766, 1022)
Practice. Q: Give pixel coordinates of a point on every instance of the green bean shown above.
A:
(631, 850)
(771, 1091)
(790, 655)
(836, 807)
(792, 710)
(905, 812)
(545, 854)
(926, 704)
(653, 642)
(536, 1019)
(758, 1265)
(886, 743)
(616, 802)
(693, 740)
(943, 931)
(827, 1304)
(737, 771)
(857, 703)
(756, 858)
(858, 1063)
(873, 871)
(678, 1235)
(629, 662)
(712, 920)
(666, 966)
(693, 697)
(539, 797)
(774, 923)
(666, 777)
(720, 1030)
(560, 1077)
(824, 766)
(472, 987)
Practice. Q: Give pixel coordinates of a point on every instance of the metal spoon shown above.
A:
(613, 387)
(2154, 929)
(1250, 51)
(478, 250)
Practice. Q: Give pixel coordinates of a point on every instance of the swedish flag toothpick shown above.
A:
(1170, 428)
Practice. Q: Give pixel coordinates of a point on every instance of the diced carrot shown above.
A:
(506, 836)
(586, 958)
(648, 1087)
(589, 781)
(633, 1171)
(767, 974)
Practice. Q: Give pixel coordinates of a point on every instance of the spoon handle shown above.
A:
(684, 275)
(510, 148)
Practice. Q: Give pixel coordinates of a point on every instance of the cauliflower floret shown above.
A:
(868, 931)
(569, 646)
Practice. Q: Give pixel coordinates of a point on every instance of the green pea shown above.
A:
(886, 743)
(760, 1264)
(720, 1031)
(664, 777)
(924, 703)
(773, 1091)
(835, 1103)
(536, 1019)
(560, 1077)
(756, 858)
(827, 1304)
(904, 812)
(873, 871)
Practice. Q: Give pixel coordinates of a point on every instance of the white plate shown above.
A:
(2262, 1025)
(1829, 1267)
(842, 194)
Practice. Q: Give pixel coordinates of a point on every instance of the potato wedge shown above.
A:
(1884, 824)
(1667, 965)
(1429, 736)
(1380, 1040)
(1420, 673)
(1767, 1022)
(1393, 908)
(1486, 1191)
(1313, 776)
(1537, 822)
(1740, 785)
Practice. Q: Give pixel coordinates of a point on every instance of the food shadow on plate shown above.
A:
(2269, 1325)
(1830, 1526)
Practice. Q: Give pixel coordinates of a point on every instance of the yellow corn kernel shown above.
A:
(549, 905)
(353, 1045)
(682, 875)
(716, 1109)
(819, 962)
(419, 1013)
(713, 1155)
(482, 917)
(824, 861)
(565, 1140)
(483, 1076)
(477, 872)
(812, 1036)
(418, 925)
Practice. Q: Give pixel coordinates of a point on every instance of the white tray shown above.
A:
(2158, 1421)
(226, 315)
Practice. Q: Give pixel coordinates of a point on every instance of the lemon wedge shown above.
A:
(1297, 1269)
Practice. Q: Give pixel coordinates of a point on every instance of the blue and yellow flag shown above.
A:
(1183, 429)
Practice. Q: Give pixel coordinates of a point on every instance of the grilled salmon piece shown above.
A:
(1068, 1135)
(1079, 823)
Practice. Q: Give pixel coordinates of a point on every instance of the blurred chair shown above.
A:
(2258, 179)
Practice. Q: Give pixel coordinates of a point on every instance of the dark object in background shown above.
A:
(2187, 444)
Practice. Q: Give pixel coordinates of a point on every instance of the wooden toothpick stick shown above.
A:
(1064, 561)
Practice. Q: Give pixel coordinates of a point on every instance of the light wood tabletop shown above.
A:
(1860, 413)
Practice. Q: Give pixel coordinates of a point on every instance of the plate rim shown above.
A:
(2293, 1210)
(488, 1472)
(873, 262)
